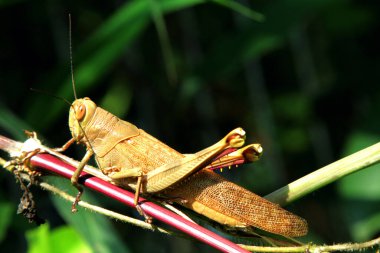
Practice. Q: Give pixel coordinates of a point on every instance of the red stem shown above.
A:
(53, 164)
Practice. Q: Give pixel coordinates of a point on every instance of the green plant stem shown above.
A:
(326, 175)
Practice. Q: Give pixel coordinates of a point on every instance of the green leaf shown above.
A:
(12, 123)
(117, 99)
(257, 39)
(60, 240)
(162, 31)
(367, 228)
(96, 229)
(361, 192)
(239, 8)
(6, 211)
(95, 57)
(363, 185)
(5, 3)
(293, 107)
(295, 139)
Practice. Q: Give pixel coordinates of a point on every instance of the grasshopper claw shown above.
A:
(77, 198)
(148, 219)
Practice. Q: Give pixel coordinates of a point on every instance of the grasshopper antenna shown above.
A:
(71, 59)
(71, 70)
(72, 73)
(51, 95)
(74, 91)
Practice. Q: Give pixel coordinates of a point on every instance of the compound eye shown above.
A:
(80, 112)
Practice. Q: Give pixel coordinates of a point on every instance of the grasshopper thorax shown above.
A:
(81, 112)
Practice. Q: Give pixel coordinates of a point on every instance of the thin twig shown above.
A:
(48, 187)
(317, 248)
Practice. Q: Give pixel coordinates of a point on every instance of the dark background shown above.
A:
(303, 82)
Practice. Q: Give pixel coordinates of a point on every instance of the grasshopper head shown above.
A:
(81, 112)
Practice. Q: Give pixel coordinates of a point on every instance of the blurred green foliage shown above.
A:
(301, 77)
(42, 239)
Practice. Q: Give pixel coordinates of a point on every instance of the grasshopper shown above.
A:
(133, 158)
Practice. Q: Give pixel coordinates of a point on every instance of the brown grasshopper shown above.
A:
(133, 158)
